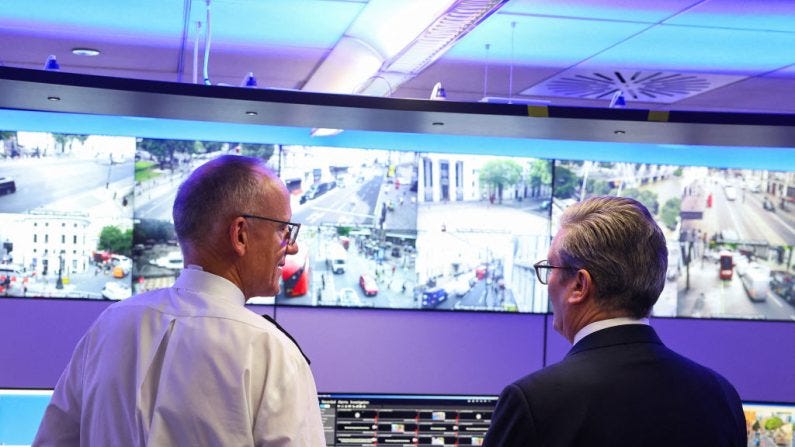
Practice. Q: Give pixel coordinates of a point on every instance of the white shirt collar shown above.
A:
(195, 279)
(604, 324)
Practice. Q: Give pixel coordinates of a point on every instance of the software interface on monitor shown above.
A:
(417, 420)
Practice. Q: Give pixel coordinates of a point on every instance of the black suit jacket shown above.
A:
(620, 387)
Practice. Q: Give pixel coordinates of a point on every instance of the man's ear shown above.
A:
(239, 235)
(582, 287)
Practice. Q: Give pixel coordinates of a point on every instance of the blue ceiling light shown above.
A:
(51, 64)
(249, 81)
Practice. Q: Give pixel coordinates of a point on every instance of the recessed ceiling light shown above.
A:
(437, 123)
(251, 113)
(619, 132)
(85, 52)
(53, 98)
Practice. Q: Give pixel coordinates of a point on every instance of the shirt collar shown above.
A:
(193, 278)
(604, 324)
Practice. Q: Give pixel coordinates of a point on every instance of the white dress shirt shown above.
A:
(604, 324)
(184, 366)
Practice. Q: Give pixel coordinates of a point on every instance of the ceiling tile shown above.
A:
(776, 15)
(650, 11)
(551, 42)
(702, 50)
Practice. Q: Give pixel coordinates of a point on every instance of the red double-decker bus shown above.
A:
(295, 273)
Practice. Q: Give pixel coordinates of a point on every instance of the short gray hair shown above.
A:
(216, 191)
(618, 242)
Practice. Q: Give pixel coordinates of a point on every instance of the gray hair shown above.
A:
(216, 191)
(618, 242)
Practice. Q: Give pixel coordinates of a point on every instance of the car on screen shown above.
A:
(116, 291)
(7, 185)
(731, 192)
(368, 285)
(348, 297)
(433, 296)
(768, 204)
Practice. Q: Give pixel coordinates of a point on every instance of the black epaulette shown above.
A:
(267, 317)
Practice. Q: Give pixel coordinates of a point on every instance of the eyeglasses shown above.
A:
(544, 268)
(291, 228)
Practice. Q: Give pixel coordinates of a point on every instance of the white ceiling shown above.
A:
(714, 55)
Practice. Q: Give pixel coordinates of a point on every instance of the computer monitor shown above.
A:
(405, 419)
(769, 423)
(21, 411)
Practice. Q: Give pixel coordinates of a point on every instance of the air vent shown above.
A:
(644, 86)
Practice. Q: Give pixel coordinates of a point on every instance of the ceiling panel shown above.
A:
(285, 23)
(136, 21)
(774, 15)
(550, 42)
(650, 11)
(701, 50)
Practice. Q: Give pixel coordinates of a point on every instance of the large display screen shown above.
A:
(730, 232)
(769, 424)
(418, 420)
(89, 216)
(380, 228)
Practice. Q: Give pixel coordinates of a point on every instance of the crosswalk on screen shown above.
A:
(405, 419)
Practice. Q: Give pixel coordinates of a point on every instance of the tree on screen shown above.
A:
(68, 139)
(566, 183)
(498, 174)
(115, 241)
(540, 175)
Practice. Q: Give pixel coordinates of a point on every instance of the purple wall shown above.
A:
(392, 351)
(37, 337)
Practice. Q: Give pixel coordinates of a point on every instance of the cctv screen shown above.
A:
(417, 420)
(66, 208)
(730, 232)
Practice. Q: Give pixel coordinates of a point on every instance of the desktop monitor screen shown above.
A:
(21, 411)
(405, 419)
(769, 424)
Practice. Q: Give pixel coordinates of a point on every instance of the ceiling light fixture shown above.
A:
(53, 98)
(251, 113)
(438, 93)
(85, 52)
(374, 59)
(249, 80)
(51, 64)
(324, 132)
(459, 19)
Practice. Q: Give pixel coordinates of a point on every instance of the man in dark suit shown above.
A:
(618, 385)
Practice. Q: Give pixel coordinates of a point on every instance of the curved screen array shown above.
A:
(90, 217)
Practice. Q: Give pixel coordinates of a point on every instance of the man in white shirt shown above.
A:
(190, 365)
(618, 386)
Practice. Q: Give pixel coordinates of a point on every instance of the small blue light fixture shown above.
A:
(51, 64)
(618, 101)
(249, 80)
(438, 93)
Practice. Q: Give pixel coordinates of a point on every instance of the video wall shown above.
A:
(90, 217)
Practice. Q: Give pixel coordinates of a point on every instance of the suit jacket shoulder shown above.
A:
(620, 386)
